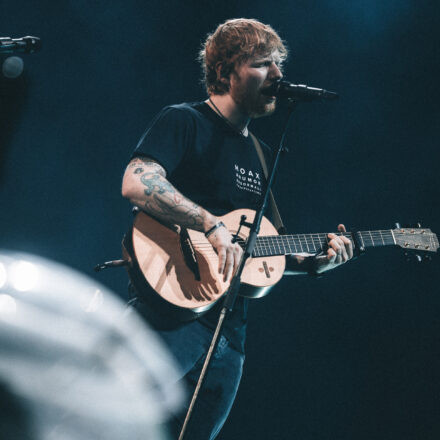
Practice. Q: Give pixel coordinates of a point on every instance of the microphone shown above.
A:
(19, 45)
(299, 92)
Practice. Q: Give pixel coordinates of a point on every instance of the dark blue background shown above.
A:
(354, 355)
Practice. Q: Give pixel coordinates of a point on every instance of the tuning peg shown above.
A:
(408, 226)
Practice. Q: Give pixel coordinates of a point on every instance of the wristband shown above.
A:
(214, 228)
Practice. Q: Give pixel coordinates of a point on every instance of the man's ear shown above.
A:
(221, 76)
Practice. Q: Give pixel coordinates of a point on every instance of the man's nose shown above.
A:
(275, 72)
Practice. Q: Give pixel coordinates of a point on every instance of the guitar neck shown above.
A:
(315, 243)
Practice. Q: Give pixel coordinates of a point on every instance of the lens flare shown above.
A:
(24, 276)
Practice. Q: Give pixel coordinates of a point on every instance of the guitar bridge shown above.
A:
(189, 253)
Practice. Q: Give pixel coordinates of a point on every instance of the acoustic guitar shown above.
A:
(177, 269)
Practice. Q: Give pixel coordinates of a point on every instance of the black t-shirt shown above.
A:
(214, 166)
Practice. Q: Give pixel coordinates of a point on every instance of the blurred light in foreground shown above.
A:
(8, 305)
(3, 276)
(101, 375)
(24, 276)
(12, 67)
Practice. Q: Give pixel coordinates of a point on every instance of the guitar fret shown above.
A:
(318, 246)
(362, 240)
(394, 238)
(313, 251)
(271, 245)
(306, 242)
(295, 245)
(276, 245)
(279, 243)
(257, 251)
(371, 238)
(290, 246)
(287, 245)
(303, 242)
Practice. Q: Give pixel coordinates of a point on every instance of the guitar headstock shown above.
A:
(418, 239)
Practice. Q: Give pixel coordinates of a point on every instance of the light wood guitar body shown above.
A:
(159, 253)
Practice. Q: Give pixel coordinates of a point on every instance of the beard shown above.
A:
(253, 102)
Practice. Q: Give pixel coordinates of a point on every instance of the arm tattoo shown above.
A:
(163, 200)
(139, 163)
(153, 183)
(187, 214)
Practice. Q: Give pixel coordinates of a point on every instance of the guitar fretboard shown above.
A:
(314, 243)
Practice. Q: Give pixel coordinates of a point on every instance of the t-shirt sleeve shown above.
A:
(167, 138)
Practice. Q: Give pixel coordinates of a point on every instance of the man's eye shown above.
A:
(263, 64)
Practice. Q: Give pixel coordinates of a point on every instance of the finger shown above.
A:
(343, 255)
(221, 259)
(348, 246)
(335, 244)
(339, 246)
(330, 243)
(345, 243)
(331, 255)
(229, 265)
(237, 256)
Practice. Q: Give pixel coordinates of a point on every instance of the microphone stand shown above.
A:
(232, 293)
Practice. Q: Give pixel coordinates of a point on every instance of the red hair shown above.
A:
(232, 43)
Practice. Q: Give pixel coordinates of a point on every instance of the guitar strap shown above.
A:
(275, 213)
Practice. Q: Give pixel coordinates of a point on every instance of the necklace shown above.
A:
(230, 124)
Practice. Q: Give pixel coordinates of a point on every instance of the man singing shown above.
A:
(183, 171)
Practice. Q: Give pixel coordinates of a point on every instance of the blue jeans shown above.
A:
(189, 345)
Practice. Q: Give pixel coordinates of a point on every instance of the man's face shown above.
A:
(249, 78)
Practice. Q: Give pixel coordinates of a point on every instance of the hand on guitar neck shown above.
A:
(339, 250)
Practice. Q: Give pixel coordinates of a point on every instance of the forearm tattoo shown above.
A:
(162, 199)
